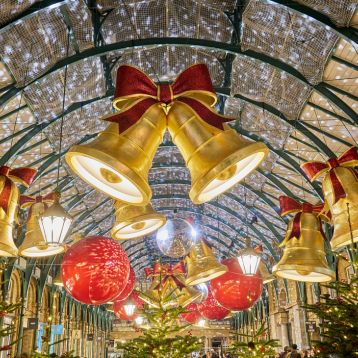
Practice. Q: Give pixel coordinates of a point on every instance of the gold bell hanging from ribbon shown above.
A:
(340, 189)
(9, 198)
(304, 257)
(34, 244)
(202, 265)
(117, 162)
(135, 221)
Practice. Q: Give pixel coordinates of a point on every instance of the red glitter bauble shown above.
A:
(119, 311)
(211, 309)
(234, 290)
(192, 315)
(129, 287)
(95, 270)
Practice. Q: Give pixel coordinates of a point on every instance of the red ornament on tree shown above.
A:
(211, 309)
(234, 290)
(129, 287)
(95, 270)
(193, 314)
(119, 311)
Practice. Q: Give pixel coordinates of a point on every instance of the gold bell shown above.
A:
(217, 159)
(345, 210)
(304, 258)
(58, 280)
(118, 163)
(34, 244)
(202, 265)
(188, 295)
(135, 221)
(265, 273)
(7, 245)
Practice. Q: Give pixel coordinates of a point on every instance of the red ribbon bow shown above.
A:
(291, 206)
(28, 201)
(166, 271)
(24, 176)
(136, 93)
(315, 169)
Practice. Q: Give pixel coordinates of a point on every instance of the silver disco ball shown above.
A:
(176, 237)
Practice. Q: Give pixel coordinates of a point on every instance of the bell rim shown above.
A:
(206, 276)
(134, 178)
(22, 252)
(8, 251)
(159, 217)
(341, 245)
(189, 301)
(202, 182)
(326, 273)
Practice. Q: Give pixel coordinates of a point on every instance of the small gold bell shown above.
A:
(135, 221)
(202, 265)
(304, 258)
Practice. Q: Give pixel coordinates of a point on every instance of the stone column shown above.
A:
(299, 321)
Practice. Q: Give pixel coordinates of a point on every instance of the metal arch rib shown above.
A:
(347, 33)
(102, 50)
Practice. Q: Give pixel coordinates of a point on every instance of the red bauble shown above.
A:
(234, 290)
(119, 311)
(129, 287)
(95, 270)
(211, 309)
(193, 314)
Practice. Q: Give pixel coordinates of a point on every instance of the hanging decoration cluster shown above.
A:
(304, 257)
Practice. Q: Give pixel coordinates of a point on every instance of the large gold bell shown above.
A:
(202, 265)
(118, 163)
(345, 210)
(34, 244)
(7, 245)
(135, 221)
(304, 258)
(216, 159)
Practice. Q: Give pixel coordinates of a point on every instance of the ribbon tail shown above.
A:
(206, 113)
(338, 190)
(296, 227)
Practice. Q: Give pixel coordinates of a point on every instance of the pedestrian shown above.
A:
(304, 353)
(294, 353)
(284, 353)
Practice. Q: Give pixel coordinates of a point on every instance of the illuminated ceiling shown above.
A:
(287, 70)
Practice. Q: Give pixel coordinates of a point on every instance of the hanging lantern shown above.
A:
(202, 265)
(304, 257)
(248, 259)
(34, 244)
(120, 312)
(9, 198)
(55, 223)
(340, 189)
(211, 309)
(235, 290)
(129, 307)
(135, 221)
(129, 286)
(95, 270)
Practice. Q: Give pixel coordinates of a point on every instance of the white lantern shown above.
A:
(55, 223)
(129, 308)
(249, 259)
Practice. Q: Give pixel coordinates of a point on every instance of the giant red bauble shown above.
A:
(193, 315)
(95, 270)
(211, 309)
(234, 290)
(119, 311)
(129, 287)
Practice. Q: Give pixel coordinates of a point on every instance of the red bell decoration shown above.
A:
(234, 290)
(192, 315)
(129, 287)
(119, 311)
(211, 309)
(95, 270)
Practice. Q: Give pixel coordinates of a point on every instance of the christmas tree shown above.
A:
(258, 345)
(160, 338)
(338, 320)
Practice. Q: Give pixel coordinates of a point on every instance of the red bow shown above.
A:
(166, 271)
(28, 201)
(136, 93)
(24, 176)
(315, 169)
(291, 206)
